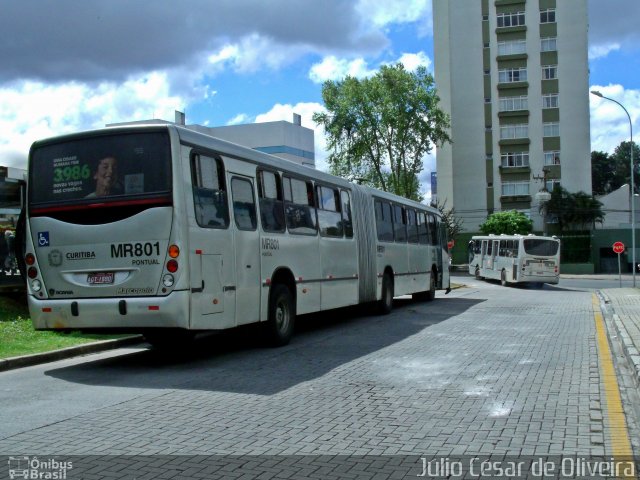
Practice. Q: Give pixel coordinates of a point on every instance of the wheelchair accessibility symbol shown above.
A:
(43, 239)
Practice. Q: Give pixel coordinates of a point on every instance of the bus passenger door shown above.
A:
(247, 250)
(494, 253)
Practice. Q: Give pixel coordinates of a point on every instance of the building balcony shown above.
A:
(508, 170)
(515, 198)
(512, 85)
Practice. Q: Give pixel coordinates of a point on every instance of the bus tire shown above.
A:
(385, 305)
(431, 293)
(282, 313)
(477, 274)
(503, 278)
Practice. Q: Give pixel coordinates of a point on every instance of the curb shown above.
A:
(69, 352)
(630, 351)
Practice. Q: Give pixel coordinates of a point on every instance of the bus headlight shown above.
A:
(167, 280)
(36, 286)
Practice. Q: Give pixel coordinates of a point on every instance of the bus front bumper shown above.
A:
(125, 313)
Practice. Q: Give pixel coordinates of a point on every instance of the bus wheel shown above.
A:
(386, 302)
(282, 314)
(478, 277)
(431, 294)
(503, 279)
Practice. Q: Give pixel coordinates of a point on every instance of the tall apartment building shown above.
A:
(513, 75)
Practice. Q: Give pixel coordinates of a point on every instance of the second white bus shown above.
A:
(515, 258)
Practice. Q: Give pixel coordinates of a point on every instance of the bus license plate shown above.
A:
(100, 278)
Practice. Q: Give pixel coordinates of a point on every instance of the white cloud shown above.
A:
(31, 111)
(412, 61)
(602, 50)
(387, 12)
(333, 68)
(609, 123)
(306, 111)
(253, 53)
(239, 119)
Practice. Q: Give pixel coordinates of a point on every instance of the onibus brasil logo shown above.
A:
(35, 468)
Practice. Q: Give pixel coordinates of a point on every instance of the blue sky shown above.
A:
(67, 67)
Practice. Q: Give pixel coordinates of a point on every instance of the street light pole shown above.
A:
(633, 210)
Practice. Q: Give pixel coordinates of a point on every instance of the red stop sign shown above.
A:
(618, 247)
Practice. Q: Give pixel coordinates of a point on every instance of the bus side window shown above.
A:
(329, 216)
(384, 222)
(433, 232)
(423, 230)
(209, 192)
(400, 223)
(346, 214)
(412, 226)
(300, 212)
(271, 203)
(244, 207)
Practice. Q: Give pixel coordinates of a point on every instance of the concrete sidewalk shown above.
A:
(625, 306)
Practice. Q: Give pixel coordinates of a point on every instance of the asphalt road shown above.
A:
(485, 370)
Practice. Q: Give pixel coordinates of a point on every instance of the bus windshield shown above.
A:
(110, 168)
(547, 248)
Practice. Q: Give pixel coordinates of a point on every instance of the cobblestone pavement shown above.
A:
(486, 370)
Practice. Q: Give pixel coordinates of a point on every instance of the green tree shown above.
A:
(378, 129)
(509, 222)
(578, 211)
(622, 162)
(610, 171)
(602, 173)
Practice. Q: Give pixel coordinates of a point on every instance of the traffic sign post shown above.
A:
(618, 247)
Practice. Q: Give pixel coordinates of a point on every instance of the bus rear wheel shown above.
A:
(385, 305)
(503, 279)
(282, 313)
(431, 294)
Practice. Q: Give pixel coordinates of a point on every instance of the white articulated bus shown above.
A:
(515, 258)
(166, 231)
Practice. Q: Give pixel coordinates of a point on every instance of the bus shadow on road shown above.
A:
(236, 361)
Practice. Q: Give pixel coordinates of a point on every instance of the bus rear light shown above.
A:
(30, 259)
(154, 307)
(46, 309)
(168, 280)
(36, 285)
(172, 266)
(174, 251)
(32, 272)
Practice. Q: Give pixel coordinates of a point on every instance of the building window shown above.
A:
(550, 100)
(510, 104)
(549, 72)
(551, 129)
(512, 47)
(552, 184)
(548, 15)
(548, 44)
(515, 159)
(510, 19)
(510, 75)
(552, 157)
(514, 131)
(510, 189)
